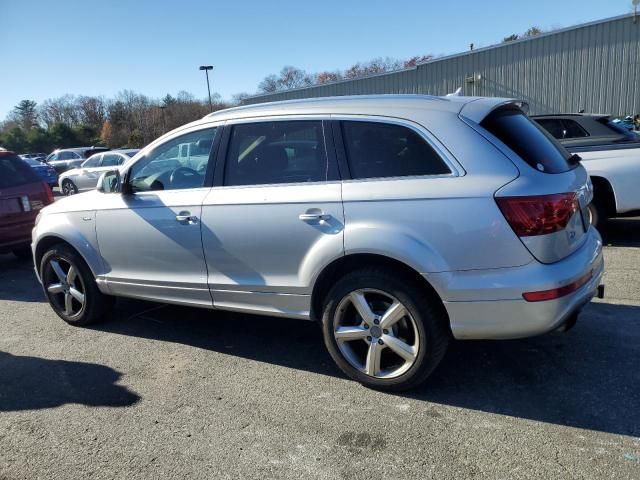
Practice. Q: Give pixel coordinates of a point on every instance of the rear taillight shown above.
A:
(557, 292)
(540, 214)
(48, 192)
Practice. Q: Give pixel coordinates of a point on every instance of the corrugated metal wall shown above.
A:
(595, 67)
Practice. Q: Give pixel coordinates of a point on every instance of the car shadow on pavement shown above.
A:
(32, 383)
(586, 378)
(622, 232)
(18, 280)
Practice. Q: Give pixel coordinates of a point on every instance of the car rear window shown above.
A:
(14, 172)
(532, 143)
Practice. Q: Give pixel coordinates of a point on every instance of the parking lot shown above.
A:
(167, 392)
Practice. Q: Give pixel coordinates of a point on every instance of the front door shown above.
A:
(150, 238)
(274, 218)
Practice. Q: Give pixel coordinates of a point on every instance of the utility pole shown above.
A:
(206, 69)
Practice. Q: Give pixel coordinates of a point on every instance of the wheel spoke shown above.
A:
(58, 270)
(407, 352)
(362, 306)
(347, 334)
(71, 275)
(68, 304)
(77, 295)
(372, 366)
(394, 313)
(55, 288)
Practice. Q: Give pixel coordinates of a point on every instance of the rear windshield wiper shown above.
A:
(574, 159)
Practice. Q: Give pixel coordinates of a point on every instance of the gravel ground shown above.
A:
(167, 392)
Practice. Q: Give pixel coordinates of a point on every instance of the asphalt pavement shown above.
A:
(170, 392)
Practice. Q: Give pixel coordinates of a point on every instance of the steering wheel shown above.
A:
(183, 177)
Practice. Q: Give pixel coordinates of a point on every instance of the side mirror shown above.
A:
(110, 182)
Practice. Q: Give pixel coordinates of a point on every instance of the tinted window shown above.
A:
(171, 166)
(534, 145)
(14, 171)
(573, 129)
(111, 160)
(553, 126)
(385, 150)
(91, 151)
(67, 156)
(276, 152)
(92, 162)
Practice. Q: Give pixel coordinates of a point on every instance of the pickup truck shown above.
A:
(611, 156)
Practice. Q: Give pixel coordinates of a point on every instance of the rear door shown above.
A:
(274, 216)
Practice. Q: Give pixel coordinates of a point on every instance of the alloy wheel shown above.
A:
(65, 287)
(68, 188)
(376, 333)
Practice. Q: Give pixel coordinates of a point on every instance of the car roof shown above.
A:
(352, 104)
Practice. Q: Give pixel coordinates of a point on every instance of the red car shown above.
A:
(22, 195)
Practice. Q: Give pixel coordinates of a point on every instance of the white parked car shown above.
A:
(611, 155)
(86, 176)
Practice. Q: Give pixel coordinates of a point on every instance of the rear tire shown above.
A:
(392, 356)
(597, 215)
(24, 253)
(69, 188)
(70, 287)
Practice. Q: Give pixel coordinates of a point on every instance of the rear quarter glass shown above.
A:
(528, 140)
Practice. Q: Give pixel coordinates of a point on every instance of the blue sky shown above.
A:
(51, 48)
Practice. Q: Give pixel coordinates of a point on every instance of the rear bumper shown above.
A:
(488, 304)
(15, 235)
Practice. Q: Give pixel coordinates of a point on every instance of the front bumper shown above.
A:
(488, 304)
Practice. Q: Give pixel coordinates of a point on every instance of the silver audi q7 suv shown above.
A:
(396, 222)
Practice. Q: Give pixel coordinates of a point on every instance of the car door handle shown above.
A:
(310, 217)
(186, 217)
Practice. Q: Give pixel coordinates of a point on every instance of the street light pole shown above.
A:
(206, 69)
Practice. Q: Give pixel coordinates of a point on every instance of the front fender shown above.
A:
(75, 228)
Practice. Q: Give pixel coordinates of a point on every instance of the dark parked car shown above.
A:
(68, 158)
(22, 196)
(46, 172)
(581, 131)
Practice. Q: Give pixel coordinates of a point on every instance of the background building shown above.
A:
(593, 66)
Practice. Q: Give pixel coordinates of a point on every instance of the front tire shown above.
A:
(384, 331)
(71, 288)
(69, 188)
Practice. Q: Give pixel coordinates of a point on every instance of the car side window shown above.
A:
(572, 129)
(554, 127)
(91, 162)
(176, 164)
(111, 160)
(378, 150)
(264, 153)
